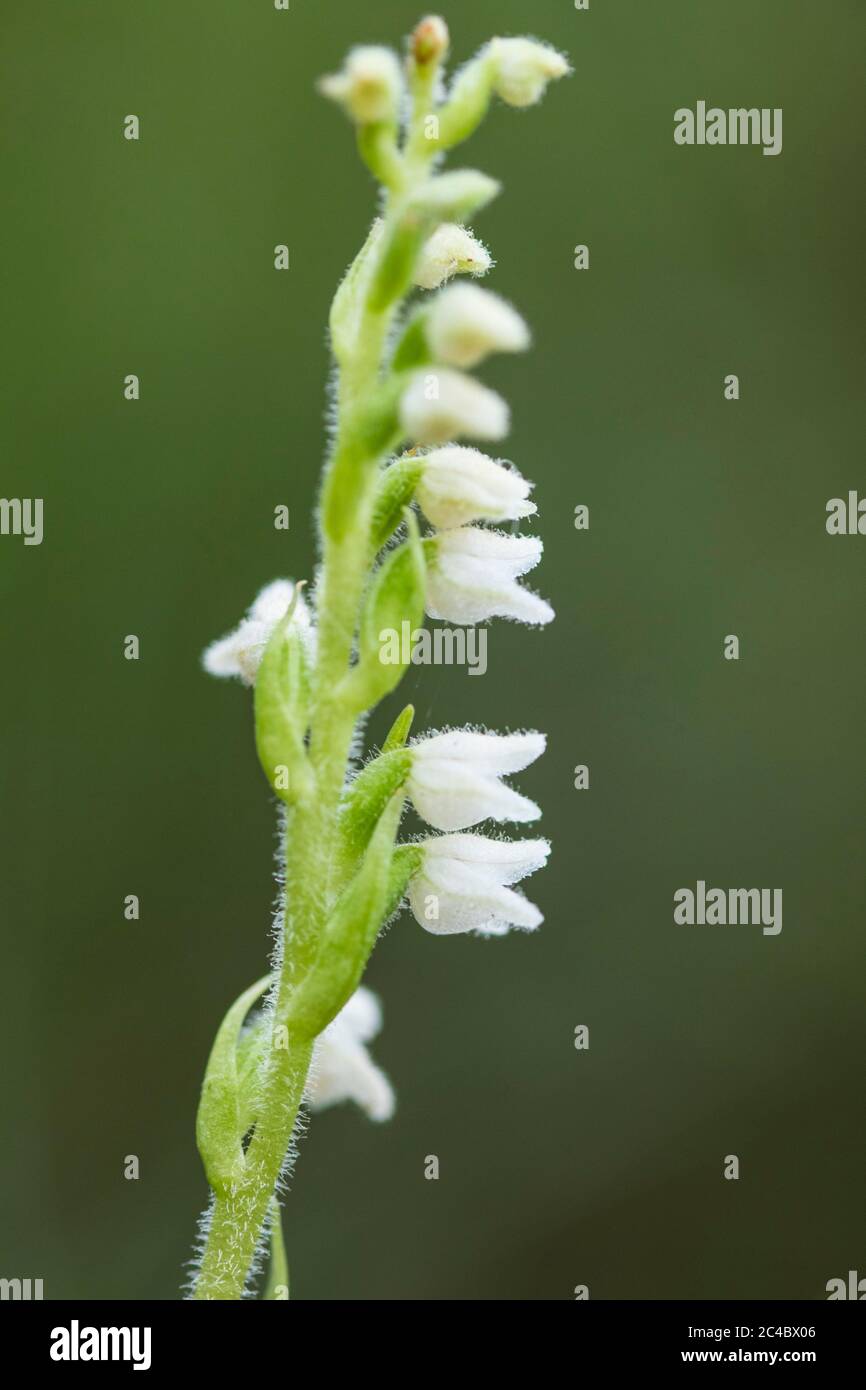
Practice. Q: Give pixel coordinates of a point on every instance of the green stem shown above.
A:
(312, 829)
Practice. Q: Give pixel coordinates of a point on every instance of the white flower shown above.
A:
(524, 67)
(467, 323)
(451, 250)
(370, 87)
(461, 885)
(459, 485)
(455, 777)
(473, 576)
(240, 653)
(342, 1068)
(441, 405)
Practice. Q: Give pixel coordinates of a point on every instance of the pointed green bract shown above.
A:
(399, 732)
(219, 1123)
(396, 598)
(282, 701)
(396, 490)
(348, 937)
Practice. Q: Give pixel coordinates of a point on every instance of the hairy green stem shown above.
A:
(311, 833)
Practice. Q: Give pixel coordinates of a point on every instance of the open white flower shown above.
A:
(459, 485)
(524, 67)
(370, 86)
(451, 250)
(462, 884)
(455, 780)
(342, 1068)
(441, 405)
(240, 653)
(466, 323)
(472, 576)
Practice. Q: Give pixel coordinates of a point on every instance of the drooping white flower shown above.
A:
(240, 652)
(370, 86)
(462, 884)
(466, 323)
(459, 485)
(342, 1068)
(440, 405)
(473, 573)
(455, 778)
(451, 250)
(524, 67)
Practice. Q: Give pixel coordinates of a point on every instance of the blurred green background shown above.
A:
(707, 518)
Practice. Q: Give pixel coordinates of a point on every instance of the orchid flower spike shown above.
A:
(342, 1068)
(451, 250)
(455, 778)
(467, 323)
(441, 405)
(462, 884)
(458, 485)
(472, 576)
(240, 653)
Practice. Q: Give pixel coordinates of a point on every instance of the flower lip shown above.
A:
(459, 485)
(463, 884)
(473, 576)
(342, 1067)
(240, 652)
(455, 779)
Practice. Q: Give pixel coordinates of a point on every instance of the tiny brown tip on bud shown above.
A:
(429, 42)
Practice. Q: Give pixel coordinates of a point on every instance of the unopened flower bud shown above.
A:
(467, 323)
(451, 250)
(442, 405)
(370, 86)
(524, 67)
(458, 485)
(429, 42)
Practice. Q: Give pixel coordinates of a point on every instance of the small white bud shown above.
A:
(467, 323)
(240, 653)
(451, 250)
(467, 877)
(441, 405)
(455, 779)
(459, 485)
(370, 86)
(342, 1068)
(472, 576)
(524, 67)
